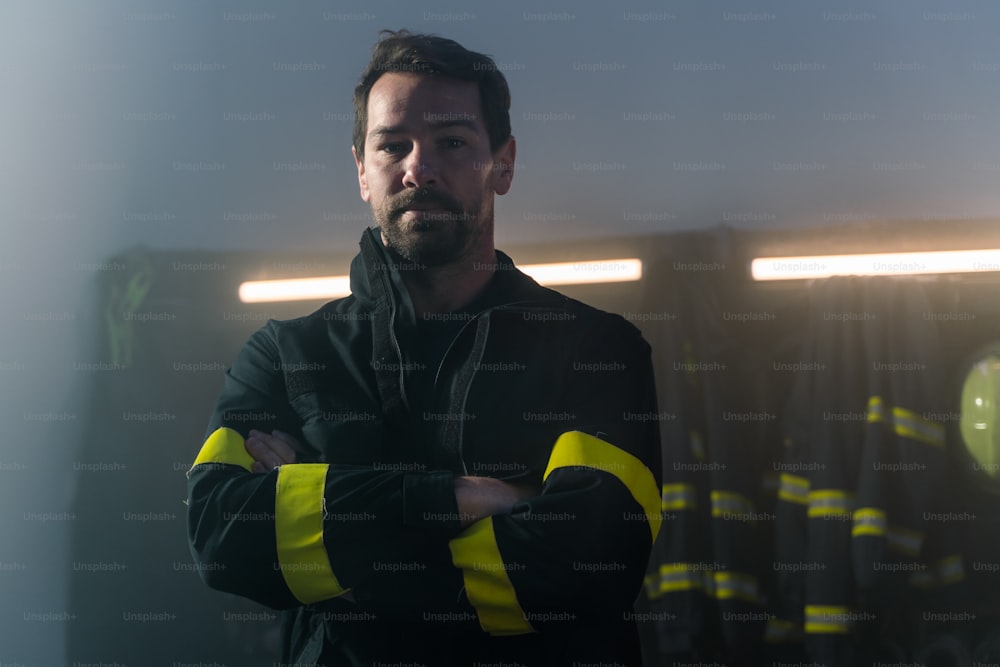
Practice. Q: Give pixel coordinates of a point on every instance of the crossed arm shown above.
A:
(311, 532)
(477, 497)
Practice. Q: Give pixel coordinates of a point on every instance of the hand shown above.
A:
(480, 497)
(271, 450)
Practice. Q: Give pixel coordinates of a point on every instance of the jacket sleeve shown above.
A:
(578, 551)
(305, 532)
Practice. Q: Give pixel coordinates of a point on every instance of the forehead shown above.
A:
(419, 99)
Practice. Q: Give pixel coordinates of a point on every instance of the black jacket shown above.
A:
(534, 386)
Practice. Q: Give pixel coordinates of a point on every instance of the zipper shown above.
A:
(398, 351)
(461, 332)
(482, 320)
(482, 332)
(393, 308)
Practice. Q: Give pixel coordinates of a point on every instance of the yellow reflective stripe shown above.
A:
(907, 541)
(906, 423)
(874, 522)
(821, 619)
(575, 448)
(299, 509)
(950, 569)
(676, 577)
(911, 425)
(794, 489)
(869, 521)
(225, 446)
(678, 497)
(652, 586)
(876, 409)
(946, 571)
(735, 585)
(781, 630)
(680, 577)
(829, 502)
(487, 585)
(730, 502)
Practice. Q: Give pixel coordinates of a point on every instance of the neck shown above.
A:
(446, 288)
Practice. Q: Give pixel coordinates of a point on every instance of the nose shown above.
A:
(420, 169)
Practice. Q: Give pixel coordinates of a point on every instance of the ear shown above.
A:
(362, 178)
(503, 162)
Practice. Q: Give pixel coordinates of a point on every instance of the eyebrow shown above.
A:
(384, 130)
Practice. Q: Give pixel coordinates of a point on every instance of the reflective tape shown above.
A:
(946, 571)
(487, 585)
(824, 503)
(824, 619)
(575, 448)
(676, 577)
(906, 423)
(876, 409)
(869, 521)
(794, 489)
(678, 497)
(224, 446)
(904, 540)
(873, 522)
(651, 583)
(735, 585)
(729, 504)
(680, 577)
(781, 630)
(299, 510)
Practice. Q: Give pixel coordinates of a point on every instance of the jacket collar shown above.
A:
(376, 282)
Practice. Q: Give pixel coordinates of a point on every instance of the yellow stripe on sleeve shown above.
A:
(299, 509)
(575, 448)
(487, 585)
(225, 446)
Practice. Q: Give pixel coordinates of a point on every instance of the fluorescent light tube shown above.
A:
(294, 289)
(332, 287)
(875, 264)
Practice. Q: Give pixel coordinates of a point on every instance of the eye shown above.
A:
(393, 147)
(453, 142)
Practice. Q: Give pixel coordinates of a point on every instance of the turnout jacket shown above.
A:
(360, 539)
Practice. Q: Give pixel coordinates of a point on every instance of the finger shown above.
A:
(281, 447)
(277, 446)
(526, 491)
(294, 444)
(268, 450)
(259, 451)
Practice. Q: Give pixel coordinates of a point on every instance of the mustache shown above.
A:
(422, 197)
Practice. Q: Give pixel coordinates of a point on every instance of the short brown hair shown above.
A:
(403, 51)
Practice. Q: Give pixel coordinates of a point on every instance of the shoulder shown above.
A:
(519, 287)
(582, 330)
(602, 325)
(276, 339)
(345, 310)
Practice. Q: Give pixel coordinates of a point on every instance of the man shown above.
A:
(447, 467)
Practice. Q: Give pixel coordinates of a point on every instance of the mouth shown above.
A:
(426, 213)
(423, 208)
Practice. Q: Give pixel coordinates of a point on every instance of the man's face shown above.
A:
(427, 171)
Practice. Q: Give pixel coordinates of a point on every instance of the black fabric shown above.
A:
(527, 365)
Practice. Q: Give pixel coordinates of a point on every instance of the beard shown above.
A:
(441, 238)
